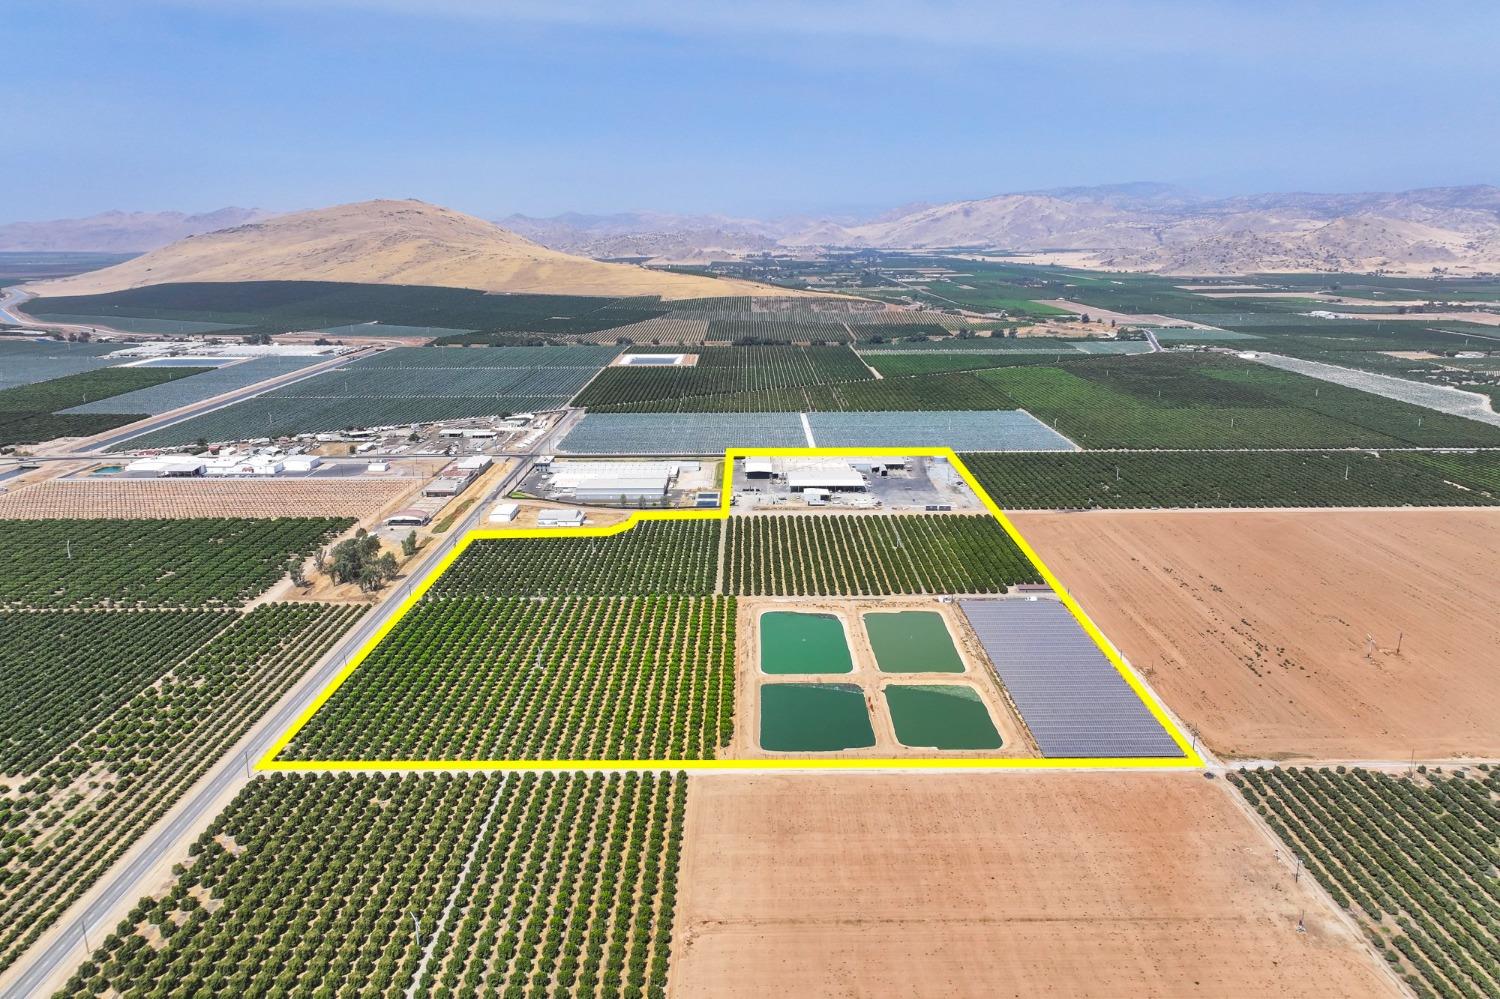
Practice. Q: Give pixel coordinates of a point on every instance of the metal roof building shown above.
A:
(833, 476)
(641, 488)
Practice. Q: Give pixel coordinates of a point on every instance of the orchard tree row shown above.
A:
(112, 775)
(518, 885)
(62, 672)
(189, 562)
(561, 678)
(853, 554)
(1121, 480)
(1412, 855)
(654, 556)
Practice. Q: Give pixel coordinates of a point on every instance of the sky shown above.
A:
(754, 108)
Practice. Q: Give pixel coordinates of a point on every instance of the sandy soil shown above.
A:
(1005, 884)
(1016, 741)
(1252, 625)
(347, 497)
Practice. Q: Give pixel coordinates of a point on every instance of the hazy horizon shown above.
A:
(778, 109)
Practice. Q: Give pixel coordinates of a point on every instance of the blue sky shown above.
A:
(746, 107)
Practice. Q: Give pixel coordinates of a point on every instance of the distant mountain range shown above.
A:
(1136, 226)
(1139, 226)
(118, 232)
(1157, 228)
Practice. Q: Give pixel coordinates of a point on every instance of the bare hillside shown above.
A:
(389, 242)
(1151, 228)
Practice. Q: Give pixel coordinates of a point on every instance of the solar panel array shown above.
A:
(1070, 695)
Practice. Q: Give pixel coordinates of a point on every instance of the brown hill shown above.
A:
(389, 242)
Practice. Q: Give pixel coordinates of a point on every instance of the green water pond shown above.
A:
(912, 642)
(795, 642)
(940, 716)
(813, 718)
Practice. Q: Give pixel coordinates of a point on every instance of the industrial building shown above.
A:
(560, 518)
(831, 476)
(166, 466)
(643, 489)
(759, 468)
(617, 481)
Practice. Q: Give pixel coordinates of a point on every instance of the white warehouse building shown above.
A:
(652, 487)
(832, 476)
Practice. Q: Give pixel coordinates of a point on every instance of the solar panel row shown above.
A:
(1070, 695)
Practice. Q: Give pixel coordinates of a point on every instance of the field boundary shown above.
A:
(1190, 756)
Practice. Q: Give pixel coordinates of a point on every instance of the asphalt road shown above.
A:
(125, 882)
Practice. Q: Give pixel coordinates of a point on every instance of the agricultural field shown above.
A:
(654, 556)
(858, 555)
(725, 369)
(282, 306)
(154, 327)
(1165, 479)
(151, 563)
(952, 391)
(136, 707)
(404, 385)
(910, 362)
(67, 671)
(1023, 884)
(1413, 856)
(1324, 635)
(774, 329)
(1442, 398)
(668, 434)
(666, 331)
(210, 382)
(147, 499)
(561, 678)
(1166, 401)
(34, 412)
(984, 430)
(550, 884)
(24, 361)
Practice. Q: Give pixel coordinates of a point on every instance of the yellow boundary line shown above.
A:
(1190, 757)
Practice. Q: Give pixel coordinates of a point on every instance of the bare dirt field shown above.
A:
(342, 497)
(1014, 884)
(1252, 625)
